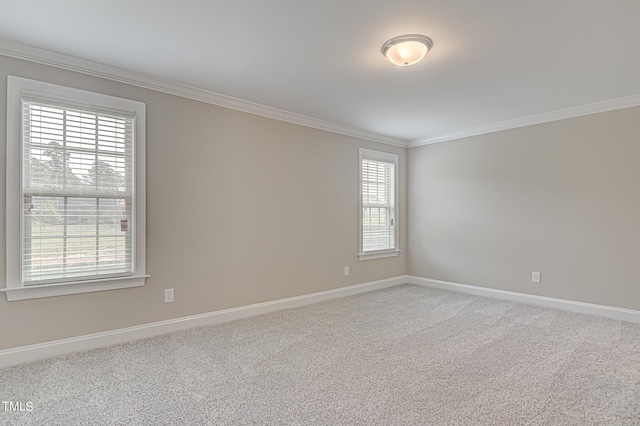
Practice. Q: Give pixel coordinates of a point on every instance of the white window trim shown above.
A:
(16, 88)
(370, 255)
(391, 158)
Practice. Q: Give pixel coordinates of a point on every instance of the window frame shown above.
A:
(368, 154)
(19, 88)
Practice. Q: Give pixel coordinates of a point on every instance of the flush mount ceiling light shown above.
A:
(406, 49)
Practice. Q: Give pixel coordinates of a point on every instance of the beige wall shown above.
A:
(562, 198)
(240, 209)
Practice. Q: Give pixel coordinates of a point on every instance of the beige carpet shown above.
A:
(404, 355)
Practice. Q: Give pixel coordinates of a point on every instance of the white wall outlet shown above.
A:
(346, 271)
(535, 277)
(168, 295)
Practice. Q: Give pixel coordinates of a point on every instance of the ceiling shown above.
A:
(493, 61)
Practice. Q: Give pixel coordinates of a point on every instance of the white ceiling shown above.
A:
(492, 60)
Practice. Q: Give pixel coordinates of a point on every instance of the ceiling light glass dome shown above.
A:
(406, 50)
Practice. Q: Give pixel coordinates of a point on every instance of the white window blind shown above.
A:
(378, 205)
(78, 193)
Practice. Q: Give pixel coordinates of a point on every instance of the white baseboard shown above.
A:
(548, 302)
(19, 355)
(22, 354)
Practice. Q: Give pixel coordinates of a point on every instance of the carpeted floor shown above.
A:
(404, 355)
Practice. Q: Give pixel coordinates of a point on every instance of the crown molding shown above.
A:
(563, 114)
(96, 69)
(71, 63)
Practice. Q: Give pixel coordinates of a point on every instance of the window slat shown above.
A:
(378, 205)
(77, 188)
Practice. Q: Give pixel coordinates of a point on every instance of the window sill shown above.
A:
(378, 254)
(61, 289)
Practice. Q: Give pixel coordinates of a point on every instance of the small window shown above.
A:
(75, 191)
(378, 216)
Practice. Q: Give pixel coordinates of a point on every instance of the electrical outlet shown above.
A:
(168, 295)
(346, 271)
(535, 277)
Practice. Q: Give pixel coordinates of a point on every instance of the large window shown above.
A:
(75, 191)
(378, 219)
